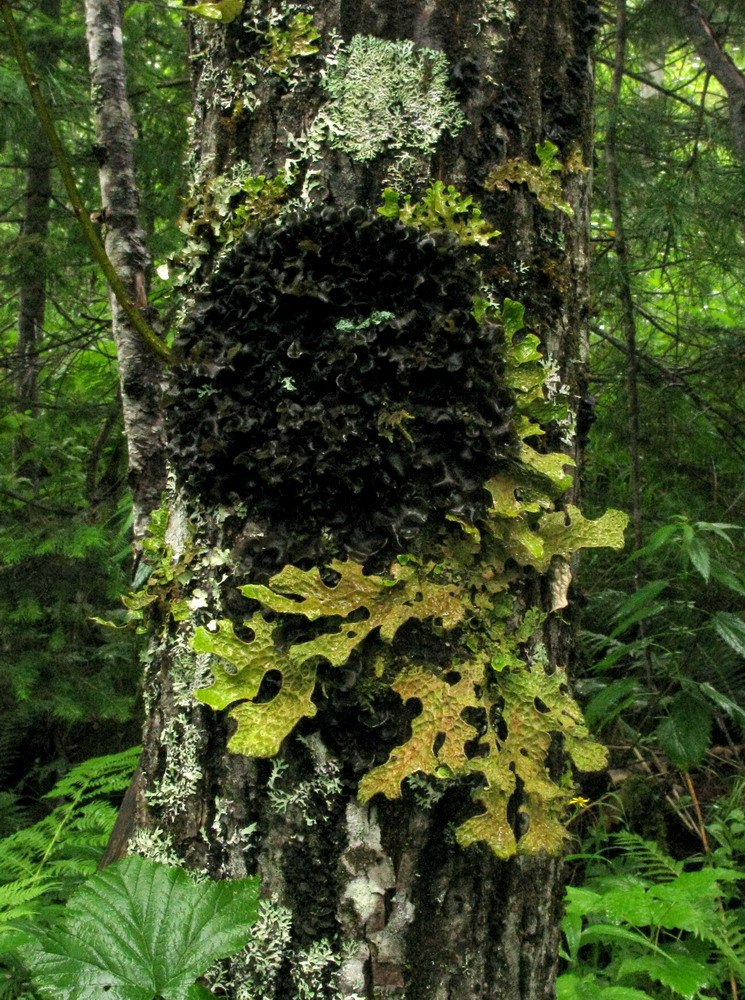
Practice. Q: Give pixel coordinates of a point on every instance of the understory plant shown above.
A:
(645, 926)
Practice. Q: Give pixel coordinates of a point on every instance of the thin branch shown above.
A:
(623, 266)
(719, 64)
(133, 314)
(641, 78)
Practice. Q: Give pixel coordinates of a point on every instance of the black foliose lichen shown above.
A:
(333, 376)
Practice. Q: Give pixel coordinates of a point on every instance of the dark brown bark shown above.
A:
(406, 912)
(139, 368)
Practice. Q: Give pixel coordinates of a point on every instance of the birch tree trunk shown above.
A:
(139, 369)
(349, 382)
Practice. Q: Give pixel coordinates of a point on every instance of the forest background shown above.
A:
(661, 655)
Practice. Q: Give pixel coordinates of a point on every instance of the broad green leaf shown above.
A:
(612, 699)
(603, 932)
(700, 555)
(722, 574)
(644, 595)
(139, 930)
(684, 735)
(731, 628)
(730, 707)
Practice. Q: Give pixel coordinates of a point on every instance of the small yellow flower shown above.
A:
(580, 801)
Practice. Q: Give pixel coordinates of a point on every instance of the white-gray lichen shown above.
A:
(317, 793)
(181, 778)
(387, 97)
(156, 845)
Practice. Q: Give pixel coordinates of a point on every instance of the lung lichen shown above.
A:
(495, 709)
(541, 178)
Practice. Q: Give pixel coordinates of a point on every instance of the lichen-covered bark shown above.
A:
(368, 899)
(139, 369)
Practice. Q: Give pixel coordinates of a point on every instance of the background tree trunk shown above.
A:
(375, 899)
(139, 369)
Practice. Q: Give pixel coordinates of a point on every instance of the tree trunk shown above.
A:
(139, 369)
(32, 292)
(345, 392)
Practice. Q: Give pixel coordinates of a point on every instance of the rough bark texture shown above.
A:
(139, 369)
(401, 910)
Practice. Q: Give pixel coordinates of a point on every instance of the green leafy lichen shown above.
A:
(240, 666)
(441, 208)
(529, 705)
(498, 668)
(227, 204)
(285, 45)
(540, 178)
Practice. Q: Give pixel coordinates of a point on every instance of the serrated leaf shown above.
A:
(612, 699)
(731, 628)
(679, 972)
(139, 930)
(571, 987)
(644, 595)
(700, 556)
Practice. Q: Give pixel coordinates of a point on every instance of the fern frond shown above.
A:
(729, 938)
(98, 776)
(647, 857)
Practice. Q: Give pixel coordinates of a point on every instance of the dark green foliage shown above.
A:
(645, 926)
(335, 377)
(41, 865)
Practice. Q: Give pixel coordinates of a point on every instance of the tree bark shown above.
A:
(363, 898)
(139, 370)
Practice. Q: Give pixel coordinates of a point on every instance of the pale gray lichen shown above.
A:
(182, 741)
(228, 832)
(316, 793)
(427, 791)
(387, 97)
(156, 845)
(254, 972)
(315, 971)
